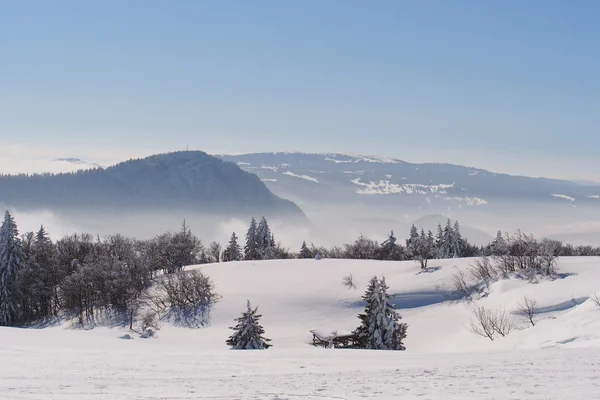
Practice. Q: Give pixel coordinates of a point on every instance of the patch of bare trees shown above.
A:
(491, 323)
(528, 309)
(348, 281)
(596, 299)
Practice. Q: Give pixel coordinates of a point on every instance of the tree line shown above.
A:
(89, 277)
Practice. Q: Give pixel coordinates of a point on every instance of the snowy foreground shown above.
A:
(559, 358)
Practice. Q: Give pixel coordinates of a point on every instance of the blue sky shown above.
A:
(512, 86)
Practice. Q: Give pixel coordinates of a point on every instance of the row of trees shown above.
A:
(89, 278)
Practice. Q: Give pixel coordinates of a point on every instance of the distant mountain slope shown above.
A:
(376, 180)
(182, 180)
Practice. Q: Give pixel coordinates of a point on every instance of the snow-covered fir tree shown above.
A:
(390, 243)
(362, 332)
(10, 262)
(413, 238)
(380, 328)
(457, 244)
(233, 252)
(248, 333)
(439, 239)
(264, 237)
(251, 251)
(305, 251)
(445, 250)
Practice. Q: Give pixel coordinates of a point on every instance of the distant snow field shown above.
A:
(558, 358)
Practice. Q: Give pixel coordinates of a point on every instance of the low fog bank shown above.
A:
(328, 225)
(15, 166)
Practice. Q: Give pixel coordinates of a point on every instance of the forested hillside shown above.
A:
(190, 180)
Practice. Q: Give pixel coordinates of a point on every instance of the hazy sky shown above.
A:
(512, 86)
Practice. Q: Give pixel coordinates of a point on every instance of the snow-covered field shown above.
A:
(559, 358)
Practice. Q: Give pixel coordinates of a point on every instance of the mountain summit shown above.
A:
(190, 180)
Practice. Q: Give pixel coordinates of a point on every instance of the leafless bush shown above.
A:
(348, 281)
(184, 297)
(482, 270)
(149, 320)
(460, 288)
(596, 299)
(528, 309)
(481, 323)
(488, 323)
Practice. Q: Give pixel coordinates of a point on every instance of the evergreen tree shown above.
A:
(10, 263)
(251, 250)
(391, 331)
(439, 240)
(380, 328)
(362, 332)
(390, 242)
(498, 246)
(414, 236)
(446, 250)
(248, 333)
(233, 252)
(264, 238)
(305, 251)
(457, 243)
(39, 277)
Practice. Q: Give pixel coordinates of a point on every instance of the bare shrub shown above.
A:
(488, 323)
(596, 299)
(149, 320)
(481, 322)
(348, 281)
(460, 288)
(528, 309)
(502, 322)
(184, 297)
(482, 270)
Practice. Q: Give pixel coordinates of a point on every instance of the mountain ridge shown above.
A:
(190, 179)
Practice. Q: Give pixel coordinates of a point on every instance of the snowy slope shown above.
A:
(558, 358)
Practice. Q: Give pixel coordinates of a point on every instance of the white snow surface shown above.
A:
(558, 358)
(564, 196)
(386, 187)
(305, 177)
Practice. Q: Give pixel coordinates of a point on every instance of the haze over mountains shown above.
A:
(342, 195)
(433, 186)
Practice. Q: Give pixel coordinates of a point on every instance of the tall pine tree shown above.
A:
(251, 251)
(10, 262)
(233, 252)
(362, 332)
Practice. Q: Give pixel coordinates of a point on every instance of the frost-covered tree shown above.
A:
(424, 248)
(380, 327)
(362, 332)
(439, 240)
(390, 242)
(413, 238)
(248, 333)
(264, 238)
(214, 252)
(457, 242)
(445, 250)
(305, 251)
(233, 252)
(182, 249)
(251, 250)
(39, 277)
(10, 263)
